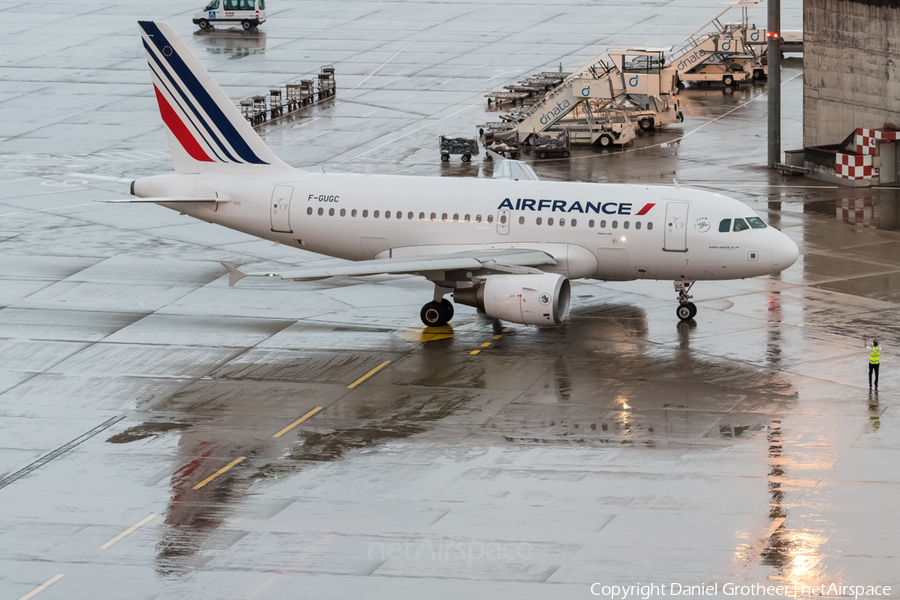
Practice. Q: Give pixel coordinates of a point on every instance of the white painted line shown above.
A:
(408, 97)
(382, 65)
(100, 177)
(426, 126)
(22, 212)
(306, 122)
(40, 589)
(319, 134)
(128, 531)
(368, 114)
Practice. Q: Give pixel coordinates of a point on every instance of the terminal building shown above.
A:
(851, 96)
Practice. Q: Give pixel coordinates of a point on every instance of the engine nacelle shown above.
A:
(528, 299)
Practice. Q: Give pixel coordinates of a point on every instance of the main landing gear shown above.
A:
(686, 309)
(439, 311)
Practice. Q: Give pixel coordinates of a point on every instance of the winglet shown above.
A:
(234, 275)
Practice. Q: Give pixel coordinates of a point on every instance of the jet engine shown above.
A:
(528, 299)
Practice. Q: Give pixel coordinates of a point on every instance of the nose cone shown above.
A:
(784, 252)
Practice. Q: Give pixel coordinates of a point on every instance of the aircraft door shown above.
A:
(281, 208)
(503, 222)
(676, 227)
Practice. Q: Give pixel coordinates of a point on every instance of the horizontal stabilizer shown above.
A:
(163, 200)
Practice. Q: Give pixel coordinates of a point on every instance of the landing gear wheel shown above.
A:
(646, 124)
(684, 312)
(204, 24)
(728, 80)
(247, 25)
(435, 314)
(448, 306)
(605, 141)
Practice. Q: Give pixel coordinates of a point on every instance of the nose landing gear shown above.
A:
(686, 310)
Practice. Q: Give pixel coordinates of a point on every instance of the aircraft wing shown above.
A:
(507, 261)
(506, 168)
(164, 200)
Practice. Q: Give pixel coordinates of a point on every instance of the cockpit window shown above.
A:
(725, 225)
(740, 225)
(756, 223)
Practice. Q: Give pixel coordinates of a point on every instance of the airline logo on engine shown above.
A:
(606, 208)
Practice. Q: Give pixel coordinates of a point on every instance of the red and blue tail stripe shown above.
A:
(195, 110)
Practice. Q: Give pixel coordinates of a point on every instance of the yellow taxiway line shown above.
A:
(128, 531)
(297, 422)
(369, 374)
(219, 472)
(40, 589)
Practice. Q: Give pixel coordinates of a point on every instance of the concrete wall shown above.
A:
(851, 63)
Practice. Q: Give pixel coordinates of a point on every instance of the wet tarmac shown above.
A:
(165, 436)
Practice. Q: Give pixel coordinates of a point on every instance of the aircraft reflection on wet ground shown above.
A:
(595, 383)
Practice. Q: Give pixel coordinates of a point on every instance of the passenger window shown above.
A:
(353, 213)
(343, 212)
(650, 225)
(434, 216)
(478, 218)
(375, 214)
(538, 221)
(262, 4)
(456, 216)
(309, 210)
(562, 222)
(212, 5)
(603, 224)
(591, 223)
(444, 217)
(230, 4)
(330, 212)
(503, 219)
(468, 218)
(740, 225)
(725, 226)
(550, 221)
(421, 216)
(615, 224)
(756, 223)
(521, 220)
(490, 219)
(626, 225)
(365, 213)
(637, 224)
(410, 216)
(321, 211)
(387, 214)
(574, 222)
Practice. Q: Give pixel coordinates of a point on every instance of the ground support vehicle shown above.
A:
(551, 142)
(246, 13)
(458, 145)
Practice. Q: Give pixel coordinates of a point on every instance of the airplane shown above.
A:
(508, 246)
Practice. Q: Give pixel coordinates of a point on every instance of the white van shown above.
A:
(249, 13)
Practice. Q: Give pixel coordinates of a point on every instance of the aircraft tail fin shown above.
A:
(203, 127)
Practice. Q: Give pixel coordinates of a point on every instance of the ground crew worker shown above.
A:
(874, 360)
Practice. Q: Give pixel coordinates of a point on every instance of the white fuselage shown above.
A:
(592, 230)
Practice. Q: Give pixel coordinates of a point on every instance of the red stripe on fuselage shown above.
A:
(646, 209)
(178, 128)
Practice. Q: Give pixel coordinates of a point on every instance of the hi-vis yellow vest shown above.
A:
(875, 355)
